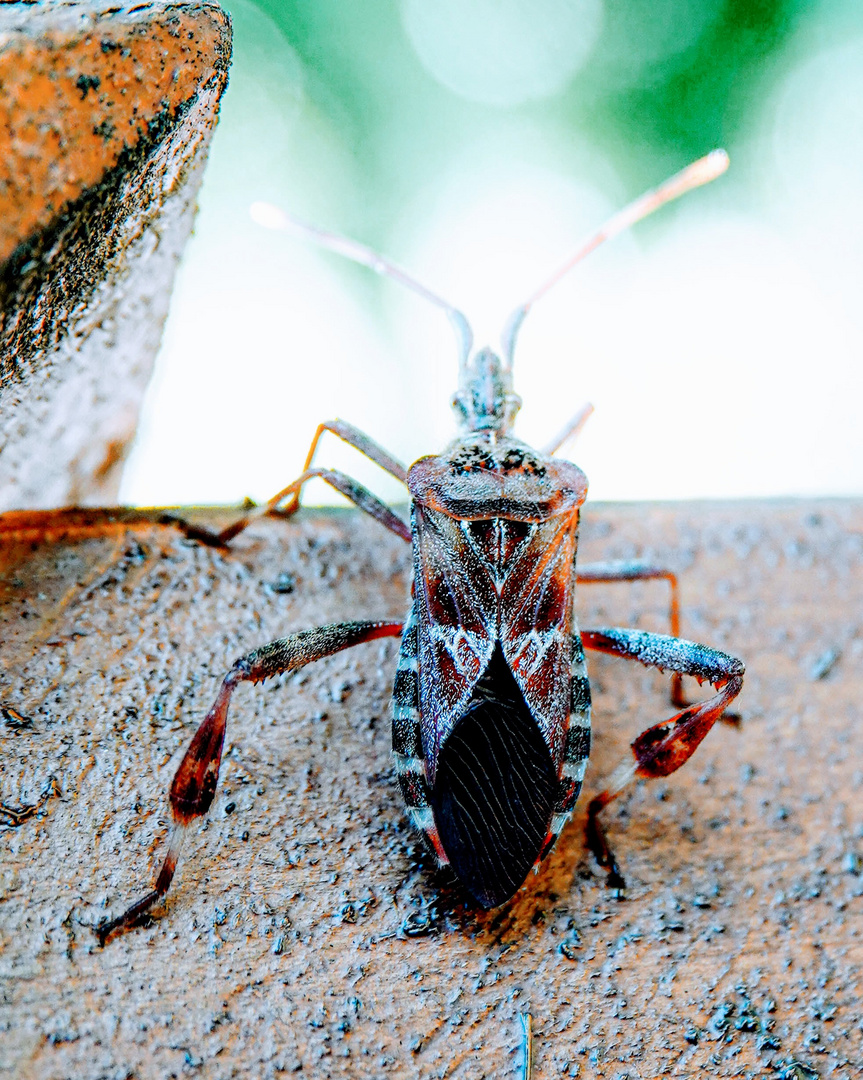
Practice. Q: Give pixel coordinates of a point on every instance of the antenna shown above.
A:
(271, 217)
(699, 172)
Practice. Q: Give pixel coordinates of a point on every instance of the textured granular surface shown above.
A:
(86, 82)
(106, 114)
(307, 932)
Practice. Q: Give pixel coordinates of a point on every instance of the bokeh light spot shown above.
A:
(643, 37)
(503, 52)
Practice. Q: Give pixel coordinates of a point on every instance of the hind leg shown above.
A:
(194, 785)
(660, 750)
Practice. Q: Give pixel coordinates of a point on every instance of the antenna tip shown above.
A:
(714, 164)
(271, 217)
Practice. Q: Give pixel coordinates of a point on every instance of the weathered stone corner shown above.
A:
(106, 115)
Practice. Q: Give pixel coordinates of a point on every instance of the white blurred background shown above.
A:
(476, 142)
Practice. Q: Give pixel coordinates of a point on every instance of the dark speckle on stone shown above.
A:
(105, 130)
(418, 923)
(285, 583)
(796, 1070)
(824, 664)
(851, 863)
(15, 719)
(86, 83)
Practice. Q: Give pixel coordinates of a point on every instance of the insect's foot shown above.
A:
(107, 929)
(104, 930)
(194, 532)
(283, 511)
(133, 916)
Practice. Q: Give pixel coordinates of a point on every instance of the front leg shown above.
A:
(358, 495)
(194, 785)
(663, 748)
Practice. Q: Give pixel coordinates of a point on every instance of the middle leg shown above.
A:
(359, 441)
(635, 570)
(359, 495)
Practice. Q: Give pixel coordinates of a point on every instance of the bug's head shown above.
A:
(485, 400)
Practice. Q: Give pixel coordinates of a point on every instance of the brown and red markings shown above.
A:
(194, 783)
(486, 580)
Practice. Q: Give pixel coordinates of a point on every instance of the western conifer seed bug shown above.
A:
(491, 703)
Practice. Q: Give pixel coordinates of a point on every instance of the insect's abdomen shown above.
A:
(495, 789)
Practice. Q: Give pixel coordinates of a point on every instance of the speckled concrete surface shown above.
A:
(308, 934)
(106, 114)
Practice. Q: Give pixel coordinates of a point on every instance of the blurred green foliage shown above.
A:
(666, 81)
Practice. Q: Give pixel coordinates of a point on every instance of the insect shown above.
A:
(491, 702)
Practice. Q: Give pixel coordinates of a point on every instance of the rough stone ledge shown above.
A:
(105, 121)
(307, 930)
